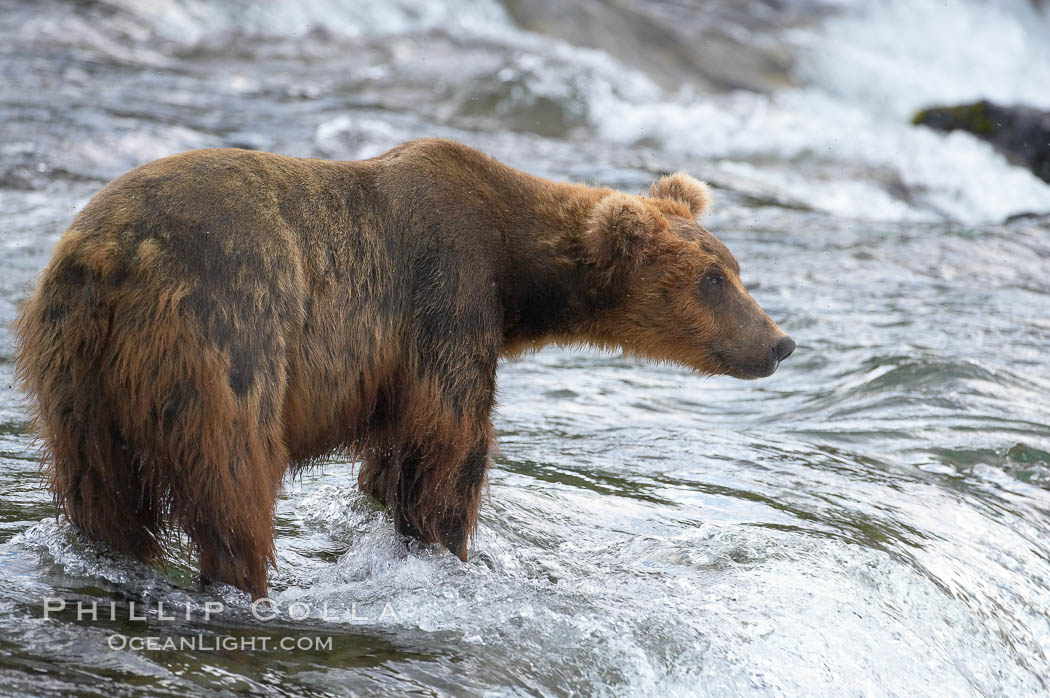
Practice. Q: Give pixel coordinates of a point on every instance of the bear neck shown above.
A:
(550, 292)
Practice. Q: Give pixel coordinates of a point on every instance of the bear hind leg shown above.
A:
(227, 464)
(230, 522)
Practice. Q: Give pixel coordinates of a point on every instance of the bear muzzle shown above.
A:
(761, 366)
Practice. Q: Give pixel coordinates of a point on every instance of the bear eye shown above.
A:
(711, 284)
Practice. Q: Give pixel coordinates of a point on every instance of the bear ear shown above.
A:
(684, 189)
(617, 230)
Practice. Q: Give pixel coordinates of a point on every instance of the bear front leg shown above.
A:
(438, 438)
(461, 521)
(439, 494)
(374, 477)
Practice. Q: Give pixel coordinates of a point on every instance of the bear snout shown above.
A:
(758, 365)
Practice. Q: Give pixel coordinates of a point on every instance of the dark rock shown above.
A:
(1020, 133)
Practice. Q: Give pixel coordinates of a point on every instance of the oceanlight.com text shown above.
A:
(215, 643)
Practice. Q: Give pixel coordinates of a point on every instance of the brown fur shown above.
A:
(212, 319)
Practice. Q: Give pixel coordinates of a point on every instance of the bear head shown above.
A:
(677, 289)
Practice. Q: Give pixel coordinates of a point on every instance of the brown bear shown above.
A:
(215, 319)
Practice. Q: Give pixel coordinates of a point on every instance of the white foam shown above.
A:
(834, 156)
(896, 56)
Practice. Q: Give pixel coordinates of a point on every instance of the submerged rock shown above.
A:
(1020, 133)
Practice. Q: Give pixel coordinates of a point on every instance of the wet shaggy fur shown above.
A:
(215, 319)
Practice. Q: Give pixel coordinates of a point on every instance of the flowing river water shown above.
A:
(873, 519)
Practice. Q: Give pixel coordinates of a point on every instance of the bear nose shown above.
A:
(783, 348)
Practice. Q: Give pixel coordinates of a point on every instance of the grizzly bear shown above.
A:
(212, 320)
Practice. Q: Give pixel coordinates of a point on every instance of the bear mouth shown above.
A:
(745, 370)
